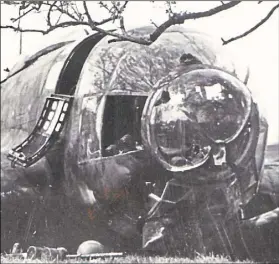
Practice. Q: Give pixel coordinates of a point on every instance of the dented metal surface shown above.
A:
(202, 158)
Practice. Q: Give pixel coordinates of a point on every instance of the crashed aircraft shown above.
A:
(154, 148)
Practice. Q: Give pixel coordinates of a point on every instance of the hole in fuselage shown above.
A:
(122, 124)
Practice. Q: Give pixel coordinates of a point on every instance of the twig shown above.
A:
(105, 21)
(124, 6)
(122, 27)
(153, 23)
(60, 25)
(60, 9)
(24, 30)
(23, 6)
(116, 11)
(63, 25)
(87, 13)
(59, 18)
(180, 18)
(75, 10)
(93, 24)
(105, 6)
(251, 29)
(247, 76)
(169, 9)
(49, 12)
(15, 19)
(20, 35)
(122, 37)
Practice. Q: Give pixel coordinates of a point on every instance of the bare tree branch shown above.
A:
(59, 18)
(121, 19)
(115, 15)
(169, 8)
(61, 10)
(87, 13)
(24, 30)
(120, 11)
(76, 23)
(122, 26)
(153, 23)
(104, 21)
(49, 12)
(124, 6)
(20, 35)
(75, 9)
(180, 18)
(251, 29)
(24, 5)
(175, 19)
(105, 6)
(52, 6)
(115, 11)
(121, 37)
(24, 14)
(44, 32)
(66, 24)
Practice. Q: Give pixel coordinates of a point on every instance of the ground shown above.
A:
(139, 259)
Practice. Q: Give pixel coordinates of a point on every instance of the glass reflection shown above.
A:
(205, 105)
(180, 141)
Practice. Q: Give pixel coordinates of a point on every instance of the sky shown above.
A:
(259, 50)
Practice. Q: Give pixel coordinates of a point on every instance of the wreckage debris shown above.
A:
(17, 248)
(34, 252)
(90, 249)
(46, 253)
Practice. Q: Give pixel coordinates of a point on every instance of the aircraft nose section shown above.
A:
(191, 112)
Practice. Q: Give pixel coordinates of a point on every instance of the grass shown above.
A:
(135, 259)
